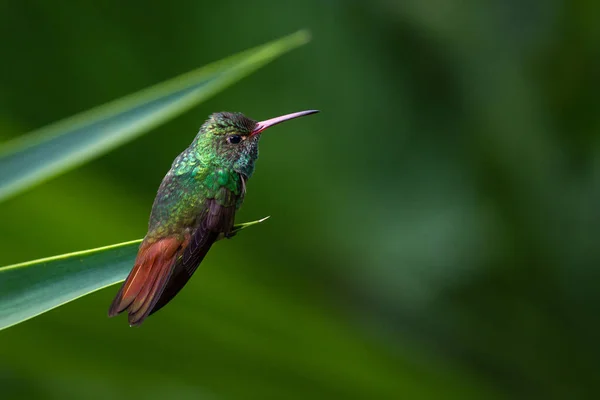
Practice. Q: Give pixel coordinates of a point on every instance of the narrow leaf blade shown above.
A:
(34, 287)
(52, 150)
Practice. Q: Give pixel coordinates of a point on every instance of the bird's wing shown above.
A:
(219, 219)
(164, 266)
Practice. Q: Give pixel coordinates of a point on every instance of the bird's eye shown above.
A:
(234, 139)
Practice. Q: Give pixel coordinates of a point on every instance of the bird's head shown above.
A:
(231, 139)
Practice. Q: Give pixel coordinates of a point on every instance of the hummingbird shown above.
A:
(195, 205)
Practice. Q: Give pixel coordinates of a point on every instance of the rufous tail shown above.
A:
(147, 280)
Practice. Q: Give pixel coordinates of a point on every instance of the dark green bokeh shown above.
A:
(434, 230)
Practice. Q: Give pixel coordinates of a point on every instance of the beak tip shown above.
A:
(262, 125)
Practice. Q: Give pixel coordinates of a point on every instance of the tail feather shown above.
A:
(153, 290)
(186, 267)
(147, 280)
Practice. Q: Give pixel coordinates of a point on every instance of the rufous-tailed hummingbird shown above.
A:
(195, 205)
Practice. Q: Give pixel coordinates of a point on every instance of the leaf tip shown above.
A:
(304, 35)
(263, 219)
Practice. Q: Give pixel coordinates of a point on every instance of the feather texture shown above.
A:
(146, 281)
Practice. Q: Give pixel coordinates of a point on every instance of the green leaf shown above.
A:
(34, 287)
(52, 150)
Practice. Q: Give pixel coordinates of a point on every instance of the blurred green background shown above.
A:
(434, 230)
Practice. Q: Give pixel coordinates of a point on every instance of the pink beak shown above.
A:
(262, 125)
